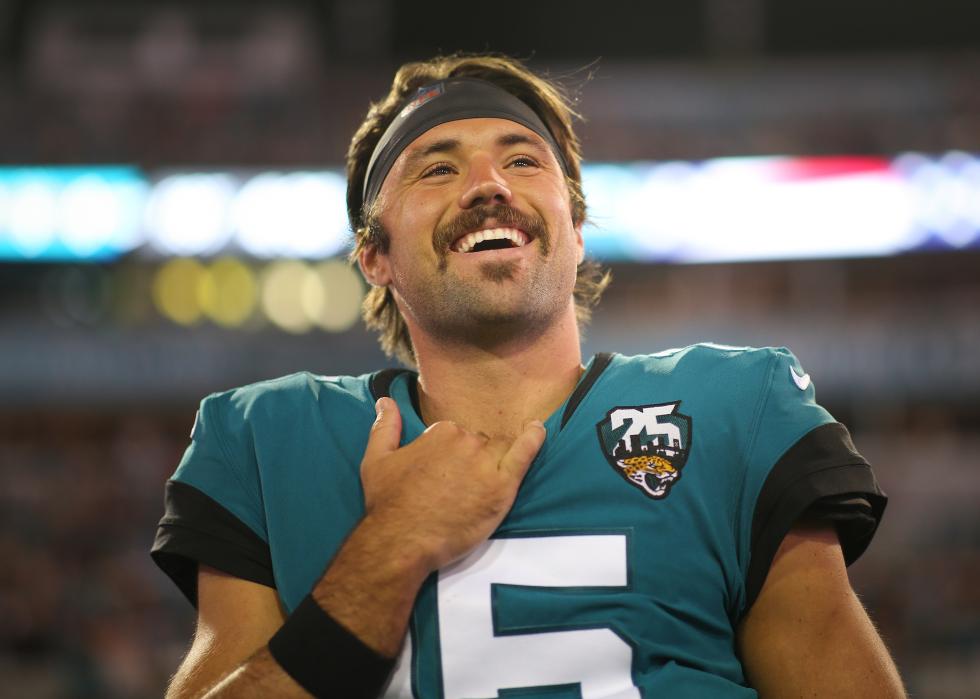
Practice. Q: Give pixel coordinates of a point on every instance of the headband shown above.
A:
(448, 100)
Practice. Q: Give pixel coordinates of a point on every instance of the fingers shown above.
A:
(514, 456)
(386, 431)
(523, 450)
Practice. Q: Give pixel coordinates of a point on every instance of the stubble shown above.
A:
(457, 310)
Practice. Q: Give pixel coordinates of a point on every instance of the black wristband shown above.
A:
(325, 658)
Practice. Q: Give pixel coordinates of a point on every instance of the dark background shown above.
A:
(97, 399)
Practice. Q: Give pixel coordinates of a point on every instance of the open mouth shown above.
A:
(491, 239)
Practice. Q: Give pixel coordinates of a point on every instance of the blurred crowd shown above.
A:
(311, 125)
(87, 614)
(84, 612)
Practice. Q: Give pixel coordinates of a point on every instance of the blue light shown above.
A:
(70, 213)
(721, 210)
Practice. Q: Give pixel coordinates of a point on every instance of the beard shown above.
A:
(488, 311)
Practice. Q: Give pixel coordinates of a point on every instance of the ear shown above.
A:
(580, 242)
(374, 266)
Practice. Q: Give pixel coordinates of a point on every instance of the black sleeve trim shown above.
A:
(196, 529)
(822, 477)
(325, 658)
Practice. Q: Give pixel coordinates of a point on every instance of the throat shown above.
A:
(498, 409)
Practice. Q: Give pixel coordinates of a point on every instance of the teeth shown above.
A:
(467, 242)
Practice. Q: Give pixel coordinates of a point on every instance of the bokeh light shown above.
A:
(176, 290)
(283, 285)
(335, 302)
(31, 221)
(91, 211)
(189, 214)
(228, 292)
(298, 214)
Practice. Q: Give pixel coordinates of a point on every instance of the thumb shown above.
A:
(386, 431)
(522, 452)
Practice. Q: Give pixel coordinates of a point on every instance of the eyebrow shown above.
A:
(445, 145)
(448, 145)
(513, 139)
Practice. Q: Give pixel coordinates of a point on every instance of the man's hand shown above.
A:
(447, 491)
(427, 504)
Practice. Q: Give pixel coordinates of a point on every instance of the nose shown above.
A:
(484, 185)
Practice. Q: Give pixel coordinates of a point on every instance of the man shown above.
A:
(507, 521)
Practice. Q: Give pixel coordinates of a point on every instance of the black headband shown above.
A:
(448, 100)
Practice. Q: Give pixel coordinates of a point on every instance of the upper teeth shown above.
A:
(467, 242)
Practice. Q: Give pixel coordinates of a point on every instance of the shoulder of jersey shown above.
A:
(294, 388)
(708, 355)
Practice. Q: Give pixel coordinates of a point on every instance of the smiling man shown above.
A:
(506, 521)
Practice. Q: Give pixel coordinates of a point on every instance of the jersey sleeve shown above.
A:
(800, 462)
(213, 510)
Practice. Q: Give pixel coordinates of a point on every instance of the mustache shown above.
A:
(474, 219)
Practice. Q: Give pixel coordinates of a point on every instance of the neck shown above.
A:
(496, 391)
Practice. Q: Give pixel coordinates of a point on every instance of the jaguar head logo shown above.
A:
(647, 445)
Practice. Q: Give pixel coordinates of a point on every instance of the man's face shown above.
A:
(482, 244)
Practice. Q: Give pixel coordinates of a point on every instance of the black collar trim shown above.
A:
(602, 360)
(381, 381)
(380, 386)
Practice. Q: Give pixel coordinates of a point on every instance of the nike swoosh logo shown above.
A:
(802, 382)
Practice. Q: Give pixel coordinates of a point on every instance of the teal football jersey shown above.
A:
(640, 536)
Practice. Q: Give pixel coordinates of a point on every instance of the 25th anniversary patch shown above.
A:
(647, 445)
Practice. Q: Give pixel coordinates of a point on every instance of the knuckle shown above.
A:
(499, 442)
(480, 438)
(467, 442)
(443, 428)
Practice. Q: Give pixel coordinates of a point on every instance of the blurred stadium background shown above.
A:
(786, 172)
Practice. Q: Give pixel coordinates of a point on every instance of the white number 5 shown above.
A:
(476, 664)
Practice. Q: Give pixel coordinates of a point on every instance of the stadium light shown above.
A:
(720, 210)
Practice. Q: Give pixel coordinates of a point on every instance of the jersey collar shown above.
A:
(402, 386)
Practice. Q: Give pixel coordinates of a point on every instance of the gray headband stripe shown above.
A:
(448, 100)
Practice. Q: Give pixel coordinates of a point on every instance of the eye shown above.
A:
(438, 169)
(523, 161)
